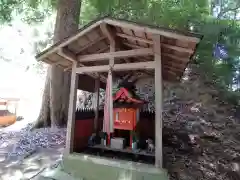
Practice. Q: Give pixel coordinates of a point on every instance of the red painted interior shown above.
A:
(84, 129)
(146, 128)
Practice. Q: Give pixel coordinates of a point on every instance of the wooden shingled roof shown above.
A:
(177, 48)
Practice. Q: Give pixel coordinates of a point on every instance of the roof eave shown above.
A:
(153, 29)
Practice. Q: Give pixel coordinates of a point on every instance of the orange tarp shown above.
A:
(7, 120)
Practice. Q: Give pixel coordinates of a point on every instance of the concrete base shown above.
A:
(88, 167)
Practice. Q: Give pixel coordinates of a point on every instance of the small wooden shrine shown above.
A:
(126, 108)
(108, 45)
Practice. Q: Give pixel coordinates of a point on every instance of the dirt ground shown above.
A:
(24, 167)
(30, 167)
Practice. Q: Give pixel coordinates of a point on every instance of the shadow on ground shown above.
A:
(29, 167)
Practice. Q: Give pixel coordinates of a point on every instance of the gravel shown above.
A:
(27, 141)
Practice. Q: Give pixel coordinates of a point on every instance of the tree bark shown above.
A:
(55, 98)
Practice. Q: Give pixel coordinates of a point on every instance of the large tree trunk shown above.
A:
(57, 87)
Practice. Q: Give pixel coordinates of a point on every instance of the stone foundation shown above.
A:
(97, 168)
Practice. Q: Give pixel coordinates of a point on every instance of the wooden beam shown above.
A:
(180, 59)
(117, 67)
(92, 43)
(58, 63)
(148, 73)
(101, 77)
(144, 60)
(46, 60)
(170, 71)
(146, 29)
(176, 64)
(112, 37)
(158, 101)
(67, 54)
(176, 48)
(167, 69)
(108, 33)
(167, 66)
(132, 45)
(96, 103)
(70, 56)
(103, 50)
(118, 54)
(139, 75)
(134, 38)
(71, 110)
(177, 69)
(45, 53)
(68, 68)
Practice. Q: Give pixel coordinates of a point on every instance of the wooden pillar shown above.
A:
(111, 37)
(158, 101)
(96, 103)
(71, 110)
(111, 64)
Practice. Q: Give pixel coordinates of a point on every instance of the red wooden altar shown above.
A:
(125, 118)
(126, 110)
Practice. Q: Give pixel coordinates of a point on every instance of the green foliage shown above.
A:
(6, 8)
(172, 13)
(215, 19)
(183, 14)
(32, 11)
(34, 16)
